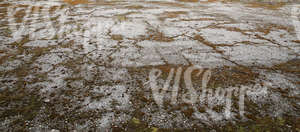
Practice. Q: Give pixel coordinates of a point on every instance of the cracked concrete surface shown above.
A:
(78, 65)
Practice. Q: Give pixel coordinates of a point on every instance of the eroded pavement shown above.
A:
(78, 65)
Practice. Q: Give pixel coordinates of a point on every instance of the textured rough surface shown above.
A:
(78, 65)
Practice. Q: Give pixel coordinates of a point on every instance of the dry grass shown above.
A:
(158, 36)
(172, 14)
(223, 77)
(188, 0)
(165, 3)
(232, 76)
(266, 5)
(291, 66)
(117, 37)
(296, 41)
(76, 2)
(135, 7)
(267, 28)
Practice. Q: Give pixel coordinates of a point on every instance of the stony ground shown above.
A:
(85, 65)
